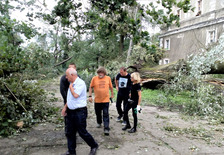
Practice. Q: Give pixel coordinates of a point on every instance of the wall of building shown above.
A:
(186, 43)
(195, 32)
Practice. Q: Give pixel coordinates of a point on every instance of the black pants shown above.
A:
(121, 98)
(76, 122)
(132, 106)
(99, 107)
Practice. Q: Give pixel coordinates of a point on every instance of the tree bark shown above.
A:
(121, 49)
(131, 40)
(63, 61)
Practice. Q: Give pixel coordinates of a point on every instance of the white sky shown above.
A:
(21, 16)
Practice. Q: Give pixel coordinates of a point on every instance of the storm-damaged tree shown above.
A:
(117, 20)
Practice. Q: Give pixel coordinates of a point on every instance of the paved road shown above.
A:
(160, 132)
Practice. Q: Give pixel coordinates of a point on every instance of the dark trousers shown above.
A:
(99, 107)
(121, 98)
(65, 121)
(132, 106)
(76, 122)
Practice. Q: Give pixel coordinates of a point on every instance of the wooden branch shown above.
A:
(57, 52)
(15, 97)
(63, 61)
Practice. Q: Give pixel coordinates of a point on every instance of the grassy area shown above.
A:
(159, 97)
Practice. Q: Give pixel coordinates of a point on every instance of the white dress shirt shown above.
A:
(80, 89)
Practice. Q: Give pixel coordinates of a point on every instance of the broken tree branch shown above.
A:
(17, 100)
(63, 61)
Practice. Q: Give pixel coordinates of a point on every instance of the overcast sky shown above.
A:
(50, 5)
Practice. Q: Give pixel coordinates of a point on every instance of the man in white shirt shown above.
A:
(76, 112)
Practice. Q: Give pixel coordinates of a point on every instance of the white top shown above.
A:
(80, 89)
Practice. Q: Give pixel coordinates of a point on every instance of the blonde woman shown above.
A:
(134, 102)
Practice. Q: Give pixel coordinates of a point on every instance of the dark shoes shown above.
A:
(126, 127)
(106, 132)
(93, 150)
(124, 123)
(133, 130)
(119, 118)
(98, 125)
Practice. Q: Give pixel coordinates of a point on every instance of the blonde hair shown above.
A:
(136, 77)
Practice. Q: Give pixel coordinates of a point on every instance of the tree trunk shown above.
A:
(170, 70)
(121, 49)
(131, 40)
(129, 49)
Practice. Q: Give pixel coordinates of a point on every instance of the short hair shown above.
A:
(73, 64)
(101, 70)
(123, 68)
(72, 71)
(136, 77)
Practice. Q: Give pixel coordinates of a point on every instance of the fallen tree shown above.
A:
(158, 75)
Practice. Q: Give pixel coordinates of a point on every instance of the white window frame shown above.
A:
(166, 61)
(208, 36)
(167, 46)
(201, 6)
(160, 62)
(161, 42)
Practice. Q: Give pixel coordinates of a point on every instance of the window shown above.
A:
(167, 44)
(160, 62)
(166, 61)
(211, 37)
(199, 8)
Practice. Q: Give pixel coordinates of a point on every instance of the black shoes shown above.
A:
(93, 150)
(98, 125)
(126, 127)
(133, 130)
(119, 118)
(106, 132)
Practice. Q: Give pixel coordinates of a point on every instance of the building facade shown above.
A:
(198, 30)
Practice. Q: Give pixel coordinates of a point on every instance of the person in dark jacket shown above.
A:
(64, 85)
(134, 102)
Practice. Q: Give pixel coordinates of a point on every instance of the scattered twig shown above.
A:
(15, 97)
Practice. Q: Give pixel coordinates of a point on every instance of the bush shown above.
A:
(86, 76)
(16, 94)
(205, 100)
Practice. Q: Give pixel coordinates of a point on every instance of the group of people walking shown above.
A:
(73, 90)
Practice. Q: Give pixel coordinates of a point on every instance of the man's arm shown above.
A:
(90, 94)
(116, 83)
(111, 88)
(63, 112)
(112, 92)
(73, 91)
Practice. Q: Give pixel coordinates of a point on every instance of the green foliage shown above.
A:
(21, 100)
(26, 93)
(205, 99)
(162, 98)
(86, 76)
(165, 16)
(145, 53)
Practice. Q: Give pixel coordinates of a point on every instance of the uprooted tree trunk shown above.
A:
(154, 77)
